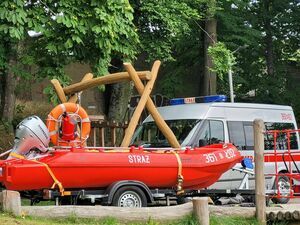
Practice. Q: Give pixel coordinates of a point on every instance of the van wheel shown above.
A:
(129, 196)
(284, 187)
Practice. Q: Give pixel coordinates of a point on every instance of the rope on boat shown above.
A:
(180, 178)
(16, 155)
(56, 181)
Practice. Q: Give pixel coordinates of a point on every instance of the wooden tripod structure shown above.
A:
(145, 101)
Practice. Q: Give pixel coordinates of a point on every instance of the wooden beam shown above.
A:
(161, 124)
(86, 77)
(142, 102)
(107, 79)
(59, 90)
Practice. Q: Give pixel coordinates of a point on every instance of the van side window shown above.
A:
(216, 131)
(249, 135)
(281, 143)
(212, 132)
(241, 135)
(237, 134)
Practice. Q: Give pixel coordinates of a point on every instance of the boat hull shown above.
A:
(82, 168)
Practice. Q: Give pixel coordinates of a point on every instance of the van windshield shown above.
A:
(148, 134)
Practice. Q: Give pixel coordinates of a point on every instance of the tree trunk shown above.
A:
(210, 77)
(269, 55)
(11, 80)
(119, 98)
(2, 91)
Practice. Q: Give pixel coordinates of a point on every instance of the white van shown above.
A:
(199, 124)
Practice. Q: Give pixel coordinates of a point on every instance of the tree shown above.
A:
(70, 30)
(267, 70)
(15, 18)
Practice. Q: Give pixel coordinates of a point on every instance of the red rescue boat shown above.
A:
(32, 165)
(98, 168)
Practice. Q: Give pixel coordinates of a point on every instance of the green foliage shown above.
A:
(247, 24)
(50, 91)
(90, 32)
(161, 24)
(223, 58)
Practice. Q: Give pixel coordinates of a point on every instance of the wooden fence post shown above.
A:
(260, 188)
(200, 210)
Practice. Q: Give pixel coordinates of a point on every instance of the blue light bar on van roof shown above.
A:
(201, 99)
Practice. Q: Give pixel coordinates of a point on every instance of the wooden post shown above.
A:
(107, 79)
(200, 210)
(86, 77)
(10, 201)
(260, 189)
(102, 137)
(95, 136)
(141, 105)
(161, 124)
(113, 134)
(59, 90)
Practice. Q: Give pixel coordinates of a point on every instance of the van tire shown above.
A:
(284, 183)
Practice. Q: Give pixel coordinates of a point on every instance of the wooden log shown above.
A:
(10, 201)
(246, 212)
(107, 79)
(59, 90)
(296, 215)
(86, 77)
(142, 102)
(161, 124)
(280, 215)
(272, 216)
(120, 213)
(200, 210)
(288, 215)
(260, 195)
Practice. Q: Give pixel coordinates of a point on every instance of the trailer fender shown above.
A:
(111, 190)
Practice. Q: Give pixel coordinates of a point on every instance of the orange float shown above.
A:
(54, 120)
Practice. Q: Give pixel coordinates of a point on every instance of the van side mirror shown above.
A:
(202, 142)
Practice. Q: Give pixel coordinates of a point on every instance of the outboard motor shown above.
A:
(31, 133)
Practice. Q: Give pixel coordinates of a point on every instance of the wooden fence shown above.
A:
(106, 133)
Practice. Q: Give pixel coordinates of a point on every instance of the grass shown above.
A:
(8, 219)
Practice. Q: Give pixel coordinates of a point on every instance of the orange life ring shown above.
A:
(54, 118)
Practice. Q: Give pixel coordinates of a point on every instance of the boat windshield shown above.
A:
(148, 134)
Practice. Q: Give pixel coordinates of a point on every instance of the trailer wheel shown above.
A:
(129, 196)
(284, 188)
